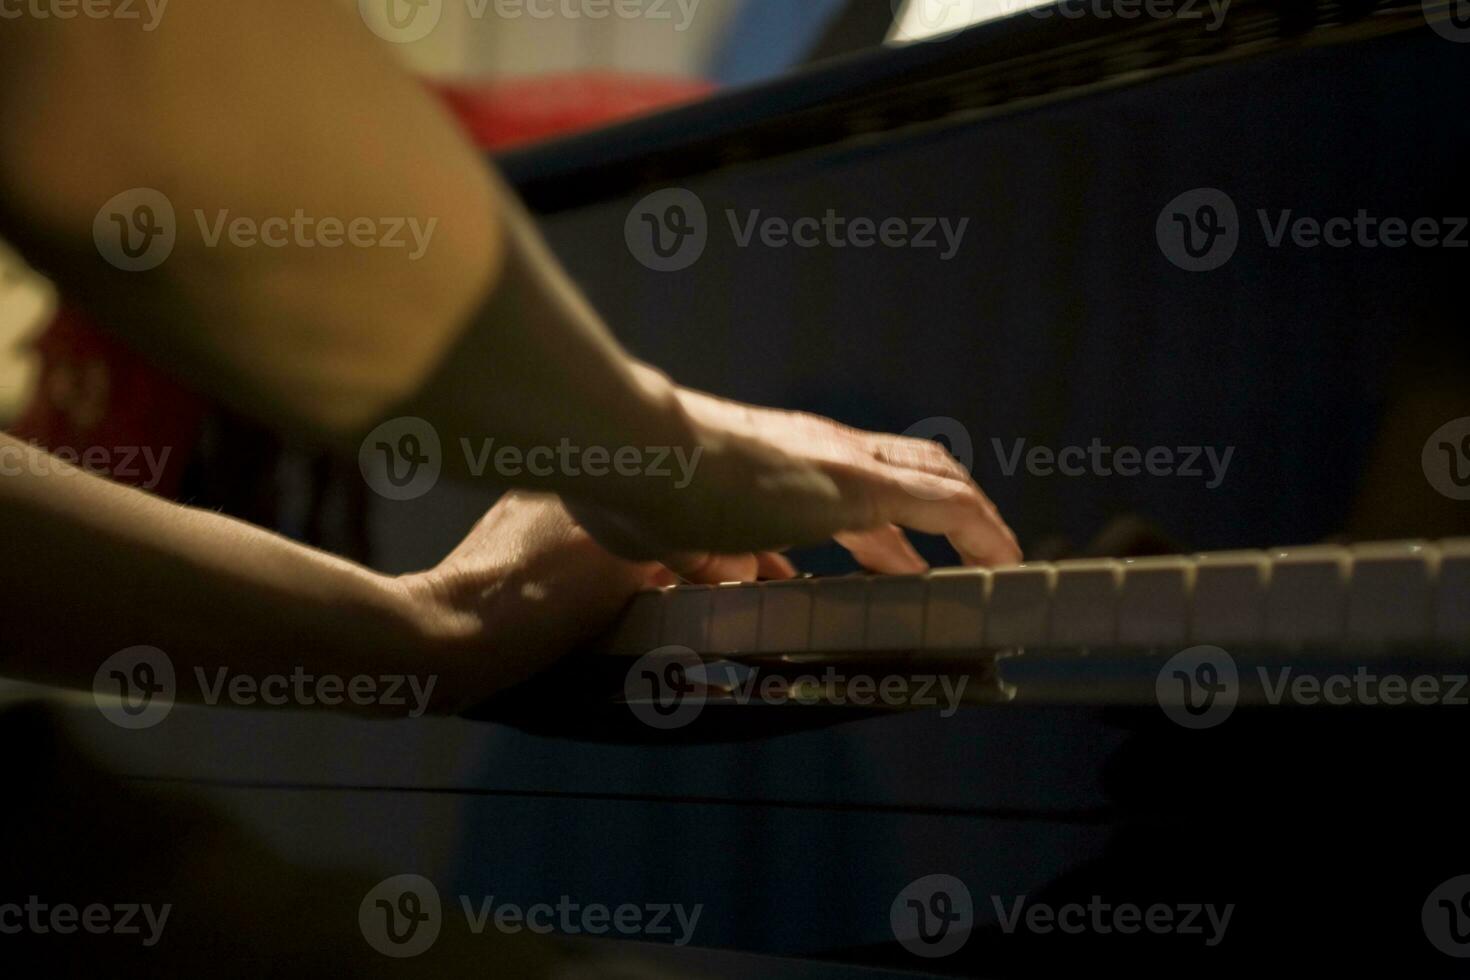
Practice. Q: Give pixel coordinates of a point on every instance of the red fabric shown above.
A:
(95, 395)
(95, 392)
(511, 113)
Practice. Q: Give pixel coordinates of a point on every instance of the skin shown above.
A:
(275, 106)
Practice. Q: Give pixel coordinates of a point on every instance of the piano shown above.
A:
(1067, 632)
(1132, 729)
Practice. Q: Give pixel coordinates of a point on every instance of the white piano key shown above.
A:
(1019, 607)
(1391, 595)
(640, 630)
(1229, 601)
(687, 617)
(895, 613)
(954, 608)
(786, 616)
(1452, 602)
(735, 619)
(1306, 599)
(1084, 606)
(1153, 606)
(839, 614)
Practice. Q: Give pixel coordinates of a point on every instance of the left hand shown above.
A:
(526, 587)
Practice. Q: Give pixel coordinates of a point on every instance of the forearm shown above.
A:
(538, 369)
(92, 567)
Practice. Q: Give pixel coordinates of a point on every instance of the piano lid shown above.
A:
(997, 66)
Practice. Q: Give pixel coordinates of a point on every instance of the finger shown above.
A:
(775, 567)
(704, 568)
(959, 511)
(659, 577)
(886, 550)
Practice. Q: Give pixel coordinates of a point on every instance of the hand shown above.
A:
(770, 479)
(525, 588)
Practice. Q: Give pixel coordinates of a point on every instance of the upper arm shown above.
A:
(247, 112)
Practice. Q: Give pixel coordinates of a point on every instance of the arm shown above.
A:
(266, 108)
(98, 567)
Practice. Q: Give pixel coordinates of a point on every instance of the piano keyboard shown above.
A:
(1367, 595)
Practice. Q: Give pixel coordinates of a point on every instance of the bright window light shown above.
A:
(919, 20)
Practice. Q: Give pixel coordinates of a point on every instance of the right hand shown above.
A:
(771, 479)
